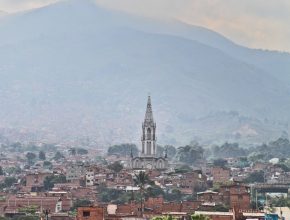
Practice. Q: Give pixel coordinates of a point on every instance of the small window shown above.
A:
(86, 214)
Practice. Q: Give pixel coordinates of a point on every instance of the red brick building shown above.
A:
(35, 181)
(220, 174)
(90, 213)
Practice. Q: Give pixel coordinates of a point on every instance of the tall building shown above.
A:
(148, 158)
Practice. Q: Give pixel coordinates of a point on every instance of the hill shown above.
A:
(73, 70)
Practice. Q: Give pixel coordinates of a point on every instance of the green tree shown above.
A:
(229, 150)
(113, 195)
(82, 151)
(58, 156)
(30, 210)
(154, 191)
(9, 181)
(183, 169)
(81, 203)
(220, 162)
(1, 171)
(256, 177)
(116, 166)
(13, 170)
(49, 181)
(47, 164)
(123, 150)
(72, 151)
(199, 217)
(30, 157)
(190, 154)
(174, 195)
(141, 180)
(41, 155)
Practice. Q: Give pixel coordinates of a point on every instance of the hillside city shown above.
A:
(144, 110)
(50, 181)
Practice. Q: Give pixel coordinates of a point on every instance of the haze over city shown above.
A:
(144, 109)
(256, 24)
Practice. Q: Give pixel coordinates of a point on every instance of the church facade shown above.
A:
(148, 158)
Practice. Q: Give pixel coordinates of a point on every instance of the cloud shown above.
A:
(20, 5)
(254, 23)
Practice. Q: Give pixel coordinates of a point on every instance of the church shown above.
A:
(148, 158)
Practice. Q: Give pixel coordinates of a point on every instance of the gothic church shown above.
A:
(148, 158)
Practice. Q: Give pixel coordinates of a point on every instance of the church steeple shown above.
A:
(149, 113)
(148, 158)
(148, 132)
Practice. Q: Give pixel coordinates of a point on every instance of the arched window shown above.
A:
(160, 164)
(148, 134)
(148, 147)
(137, 164)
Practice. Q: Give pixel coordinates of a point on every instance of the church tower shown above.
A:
(148, 132)
(148, 159)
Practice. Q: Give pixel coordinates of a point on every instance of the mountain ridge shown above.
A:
(80, 71)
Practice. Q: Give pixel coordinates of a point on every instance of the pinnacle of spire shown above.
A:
(149, 113)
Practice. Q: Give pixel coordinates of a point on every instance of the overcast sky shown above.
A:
(254, 23)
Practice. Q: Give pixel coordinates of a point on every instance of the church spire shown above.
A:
(149, 113)
(148, 132)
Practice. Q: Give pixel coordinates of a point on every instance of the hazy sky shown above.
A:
(254, 23)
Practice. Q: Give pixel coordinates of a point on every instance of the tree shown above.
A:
(30, 210)
(81, 203)
(72, 151)
(58, 156)
(49, 181)
(1, 171)
(175, 195)
(220, 162)
(229, 150)
(183, 169)
(47, 164)
(154, 191)
(41, 155)
(13, 170)
(82, 151)
(171, 151)
(256, 177)
(141, 180)
(116, 166)
(30, 157)
(199, 217)
(190, 154)
(123, 150)
(9, 181)
(113, 195)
